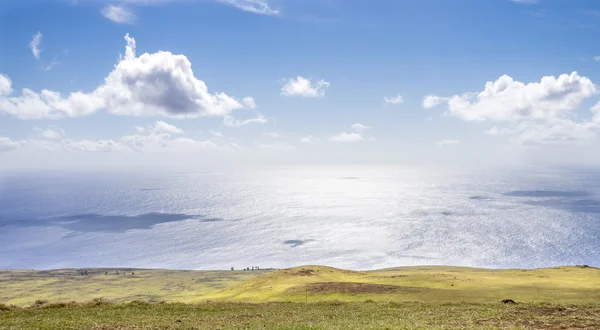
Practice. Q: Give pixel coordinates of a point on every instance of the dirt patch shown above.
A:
(551, 311)
(351, 288)
(305, 272)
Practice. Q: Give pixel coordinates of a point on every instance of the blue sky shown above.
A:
(296, 77)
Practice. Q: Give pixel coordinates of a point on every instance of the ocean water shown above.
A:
(357, 217)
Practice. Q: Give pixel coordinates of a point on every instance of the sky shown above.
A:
(200, 82)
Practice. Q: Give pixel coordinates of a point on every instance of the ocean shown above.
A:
(355, 217)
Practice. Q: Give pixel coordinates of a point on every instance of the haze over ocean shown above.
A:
(358, 217)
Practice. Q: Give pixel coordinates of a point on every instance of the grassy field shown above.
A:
(309, 297)
(324, 315)
(21, 287)
(302, 284)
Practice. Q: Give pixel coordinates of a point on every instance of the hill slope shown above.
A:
(308, 283)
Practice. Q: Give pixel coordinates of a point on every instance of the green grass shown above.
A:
(25, 287)
(322, 315)
(308, 283)
(309, 297)
(435, 284)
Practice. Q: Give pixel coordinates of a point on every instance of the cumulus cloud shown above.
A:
(253, 6)
(447, 142)
(538, 111)
(432, 101)
(50, 133)
(7, 144)
(162, 127)
(34, 45)
(309, 139)
(216, 133)
(5, 85)
(347, 137)
(230, 121)
(507, 100)
(398, 99)
(157, 84)
(119, 14)
(304, 87)
(357, 135)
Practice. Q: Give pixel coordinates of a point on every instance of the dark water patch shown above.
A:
(480, 198)
(584, 206)
(297, 242)
(547, 193)
(96, 223)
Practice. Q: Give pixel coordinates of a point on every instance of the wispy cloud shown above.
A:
(597, 58)
(34, 45)
(51, 65)
(260, 7)
(395, 100)
(229, 121)
(447, 143)
(119, 14)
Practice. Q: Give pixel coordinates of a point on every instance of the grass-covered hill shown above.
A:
(302, 284)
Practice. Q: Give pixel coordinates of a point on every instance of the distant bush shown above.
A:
(369, 301)
(98, 301)
(4, 307)
(40, 302)
(59, 305)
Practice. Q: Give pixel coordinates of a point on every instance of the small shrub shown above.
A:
(98, 301)
(369, 301)
(40, 302)
(4, 307)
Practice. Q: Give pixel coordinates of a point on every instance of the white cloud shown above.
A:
(357, 135)
(432, 101)
(555, 131)
(7, 144)
(254, 6)
(360, 127)
(119, 14)
(35, 44)
(398, 99)
(249, 102)
(158, 84)
(498, 131)
(162, 127)
(273, 135)
(507, 100)
(347, 137)
(230, 121)
(215, 133)
(447, 142)
(304, 87)
(50, 133)
(309, 139)
(541, 112)
(5, 85)
(597, 58)
(92, 146)
(52, 64)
